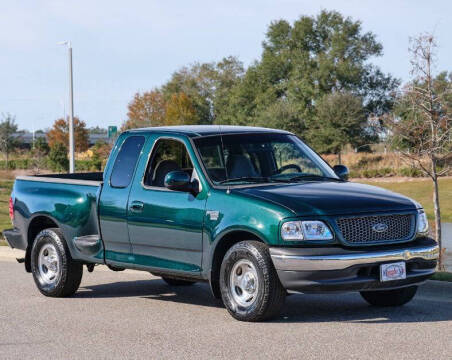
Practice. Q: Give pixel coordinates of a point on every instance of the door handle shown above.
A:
(136, 206)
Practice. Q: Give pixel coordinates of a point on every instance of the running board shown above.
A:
(88, 244)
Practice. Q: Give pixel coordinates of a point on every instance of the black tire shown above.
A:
(177, 282)
(69, 272)
(268, 298)
(396, 297)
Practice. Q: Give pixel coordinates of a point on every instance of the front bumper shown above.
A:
(326, 269)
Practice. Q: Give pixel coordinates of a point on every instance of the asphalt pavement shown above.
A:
(133, 315)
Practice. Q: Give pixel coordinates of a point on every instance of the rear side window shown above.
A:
(126, 160)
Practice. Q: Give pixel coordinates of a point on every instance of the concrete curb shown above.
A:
(8, 254)
(436, 290)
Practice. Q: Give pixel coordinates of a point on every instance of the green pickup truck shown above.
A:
(254, 212)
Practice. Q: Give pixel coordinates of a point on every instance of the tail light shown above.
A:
(11, 209)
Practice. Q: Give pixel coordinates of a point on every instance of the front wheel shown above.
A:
(396, 297)
(250, 287)
(55, 273)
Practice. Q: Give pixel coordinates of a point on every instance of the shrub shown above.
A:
(355, 174)
(17, 164)
(365, 161)
(410, 172)
(58, 158)
(88, 165)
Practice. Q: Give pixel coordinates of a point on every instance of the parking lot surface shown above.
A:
(132, 314)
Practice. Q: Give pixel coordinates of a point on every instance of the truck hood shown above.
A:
(331, 198)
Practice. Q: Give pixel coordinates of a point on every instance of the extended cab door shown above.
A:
(115, 194)
(165, 227)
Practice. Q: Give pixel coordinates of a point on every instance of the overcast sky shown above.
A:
(121, 47)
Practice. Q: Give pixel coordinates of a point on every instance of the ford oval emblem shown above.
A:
(380, 227)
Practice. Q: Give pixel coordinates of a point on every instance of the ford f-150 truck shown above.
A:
(254, 212)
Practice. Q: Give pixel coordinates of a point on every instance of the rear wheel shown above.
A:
(250, 287)
(177, 282)
(396, 297)
(55, 273)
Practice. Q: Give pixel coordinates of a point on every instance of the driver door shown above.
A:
(165, 226)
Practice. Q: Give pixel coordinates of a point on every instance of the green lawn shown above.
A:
(5, 192)
(421, 190)
(443, 276)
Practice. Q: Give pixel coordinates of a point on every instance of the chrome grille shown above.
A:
(369, 229)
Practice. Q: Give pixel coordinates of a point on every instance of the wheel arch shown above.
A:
(222, 245)
(38, 223)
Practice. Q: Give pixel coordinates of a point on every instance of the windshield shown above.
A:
(260, 158)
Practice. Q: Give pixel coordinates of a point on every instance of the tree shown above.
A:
(304, 61)
(421, 126)
(58, 157)
(60, 134)
(196, 82)
(195, 94)
(101, 152)
(146, 109)
(226, 74)
(97, 130)
(40, 145)
(40, 151)
(8, 142)
(207, 85)
(180, 110)
(340, 120)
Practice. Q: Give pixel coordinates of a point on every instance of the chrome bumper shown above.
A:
(289, 260)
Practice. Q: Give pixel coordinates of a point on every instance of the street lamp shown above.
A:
(71, 109)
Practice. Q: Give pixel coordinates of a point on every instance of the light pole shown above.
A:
(71, 109)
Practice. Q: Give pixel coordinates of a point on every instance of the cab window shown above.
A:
(167, 155)
(125, 162)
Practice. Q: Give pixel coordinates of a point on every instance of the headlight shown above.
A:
(305, 230)
(422, 222)
(316, 230)
(291, 230)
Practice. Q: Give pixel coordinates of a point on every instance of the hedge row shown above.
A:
(98, 165)
(18, 164)
(386, 172)
(45, 163)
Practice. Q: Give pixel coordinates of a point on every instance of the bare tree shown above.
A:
(8, 142)
(422, 124)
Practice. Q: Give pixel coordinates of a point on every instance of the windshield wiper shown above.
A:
(256, 179)
(313, 177)
(246, 178)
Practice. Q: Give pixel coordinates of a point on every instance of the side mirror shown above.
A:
(180, 181)
(341, 171)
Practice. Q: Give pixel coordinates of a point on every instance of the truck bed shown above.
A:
(89, 178)
(69, 200)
